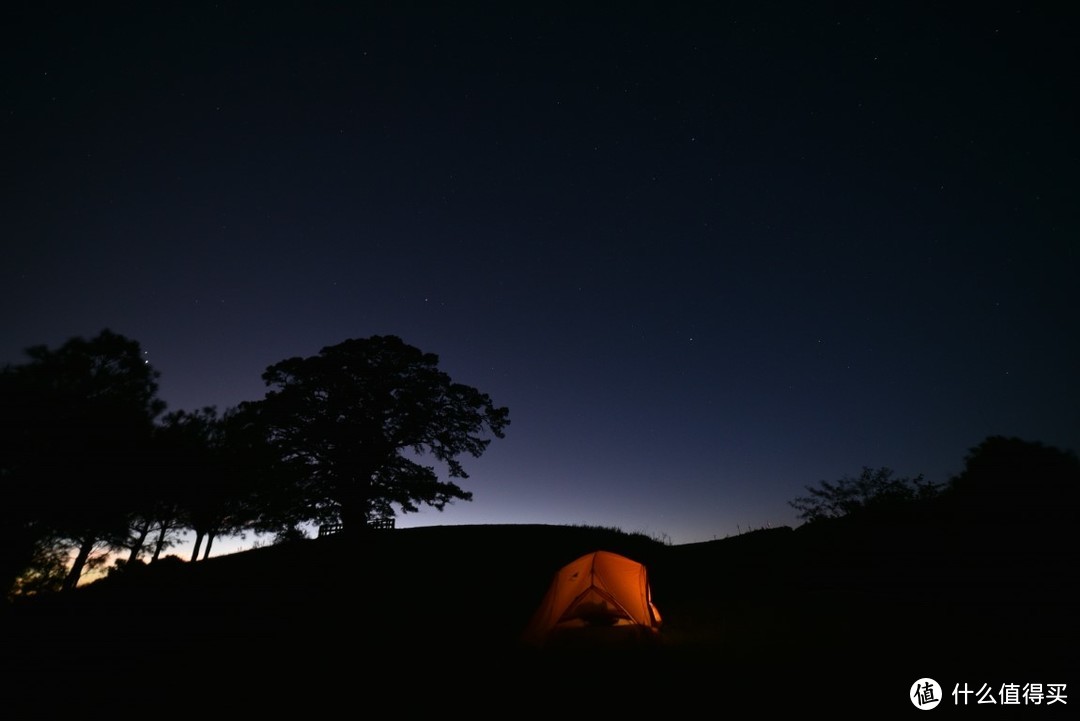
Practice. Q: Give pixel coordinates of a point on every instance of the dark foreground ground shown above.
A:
(834, 619)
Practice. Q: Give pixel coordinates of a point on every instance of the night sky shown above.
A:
(707, 254)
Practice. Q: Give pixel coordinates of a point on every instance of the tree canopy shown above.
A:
(1009, 479)
(353, 423)
(873, 489)
(75, 427)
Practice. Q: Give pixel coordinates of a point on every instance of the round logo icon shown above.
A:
(925, 694)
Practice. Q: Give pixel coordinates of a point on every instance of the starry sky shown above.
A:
(707, 254)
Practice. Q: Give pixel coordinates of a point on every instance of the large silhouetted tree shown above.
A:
(76, 424)
(353, 423)
(1008, 480)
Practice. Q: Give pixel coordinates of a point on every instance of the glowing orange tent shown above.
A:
(599, 599)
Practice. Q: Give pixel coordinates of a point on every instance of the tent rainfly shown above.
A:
(601, 598)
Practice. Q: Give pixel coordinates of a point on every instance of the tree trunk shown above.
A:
(350, 519)
(160, 541)
(355, 502)
(198, 542)
(209, 542)
(137, 544)
(81, 558)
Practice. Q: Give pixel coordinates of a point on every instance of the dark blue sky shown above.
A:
(706, 254)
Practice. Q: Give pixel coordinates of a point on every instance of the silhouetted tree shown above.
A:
(154, 528)
(872, 489)
(351, 424)
(139, 528)
(1007, 480)
(214, 465)
(76, 423)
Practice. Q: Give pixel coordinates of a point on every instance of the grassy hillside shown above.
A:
(871, 608)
